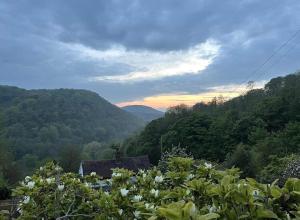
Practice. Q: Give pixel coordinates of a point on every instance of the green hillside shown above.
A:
(247, 131)
(38, 124)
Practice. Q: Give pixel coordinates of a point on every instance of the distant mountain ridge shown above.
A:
(144, 112)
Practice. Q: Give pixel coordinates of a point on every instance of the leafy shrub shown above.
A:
(241, 157)
(175, 151)
(276, 168)
(187, 191)
(292, 170)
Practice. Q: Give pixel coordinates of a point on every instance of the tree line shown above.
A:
(253, 131)
(65, 125)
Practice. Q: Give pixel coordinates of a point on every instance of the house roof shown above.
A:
(103, 167)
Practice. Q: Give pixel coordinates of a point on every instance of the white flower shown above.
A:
(41, 168)
(137, 198)
(116, 174)
(93, 174)
(26, 199)
(141, 171)
(27, 178)
(120, 211)
(255, 192)
(61, 187)
(158, 179)
(207, 165)
(144, 175)
(191, 176)
(137, 214)
(30, 184)
(132, 188)
(57, 168)
(148, 206)
(87, 184)
(154, 192)
(124, 192)
(212, 209)
(50, 180)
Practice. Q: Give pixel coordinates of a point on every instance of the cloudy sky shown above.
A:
(158, 52)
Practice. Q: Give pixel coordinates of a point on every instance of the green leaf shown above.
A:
(296, 192)
(208, 216)
(266, 214)
(168, 213)
(275, 192)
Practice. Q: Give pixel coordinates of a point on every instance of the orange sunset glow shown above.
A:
(163, 101)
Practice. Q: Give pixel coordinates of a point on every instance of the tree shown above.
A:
(70, 157)
(247, 129)
(10, 171)
(242, 159)
(92, 150)
(178, 109)
(39, 124)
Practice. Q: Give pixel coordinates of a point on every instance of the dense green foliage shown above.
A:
(280, 168)
(37, 125)
(247, 131)
(188, 190)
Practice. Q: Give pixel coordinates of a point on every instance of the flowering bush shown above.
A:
(292, 170)
(280, 168)
(174, 151)
(185, 191)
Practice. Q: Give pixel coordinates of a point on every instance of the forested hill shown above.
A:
(38, 123)
(245, 131)
(144, 112)
(62, 115)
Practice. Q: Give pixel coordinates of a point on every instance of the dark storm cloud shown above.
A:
(154, 24)
(32, 34)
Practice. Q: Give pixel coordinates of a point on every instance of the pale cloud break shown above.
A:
(149, 65)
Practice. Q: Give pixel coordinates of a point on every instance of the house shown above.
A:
(104, 167)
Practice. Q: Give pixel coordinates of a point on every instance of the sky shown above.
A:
(158, 53)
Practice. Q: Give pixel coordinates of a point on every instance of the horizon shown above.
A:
(157, 54)
(204, 98)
